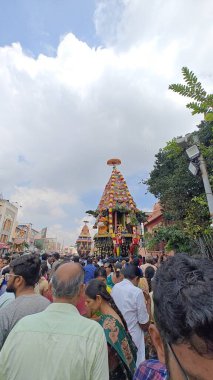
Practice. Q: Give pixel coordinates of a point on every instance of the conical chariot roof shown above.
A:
(85, 234)
(116, 194)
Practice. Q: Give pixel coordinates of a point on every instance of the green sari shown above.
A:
(121, 349)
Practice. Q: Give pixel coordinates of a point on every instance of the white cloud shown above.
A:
(42, 204)
(65, 235)
(66, 115)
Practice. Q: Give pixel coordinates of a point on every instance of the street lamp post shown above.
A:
(207, 186)
(197, 162)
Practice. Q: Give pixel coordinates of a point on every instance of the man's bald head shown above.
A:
(66, 280)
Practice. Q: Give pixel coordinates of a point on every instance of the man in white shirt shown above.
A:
(131, 302)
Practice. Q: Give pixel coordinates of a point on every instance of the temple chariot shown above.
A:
(84, 241)
(118, 221)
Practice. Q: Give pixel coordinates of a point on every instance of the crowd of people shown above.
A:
(117, 319)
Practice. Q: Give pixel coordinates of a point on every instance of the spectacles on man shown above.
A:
(185, 376)
(7, 276)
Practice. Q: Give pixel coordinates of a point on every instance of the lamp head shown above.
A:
(193, 152)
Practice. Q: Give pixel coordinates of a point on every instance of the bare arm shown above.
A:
(145, 326)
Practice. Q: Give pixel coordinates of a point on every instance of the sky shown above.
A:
(85, 81)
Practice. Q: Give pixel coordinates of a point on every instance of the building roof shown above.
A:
(116, 193)
(156, 213)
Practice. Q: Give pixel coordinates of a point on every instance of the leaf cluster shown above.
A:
(180, 193)
(172, 183)
(173, 236)
(94, 213)
(203, 102)
(141, 216)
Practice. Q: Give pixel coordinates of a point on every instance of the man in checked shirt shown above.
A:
(183, 314)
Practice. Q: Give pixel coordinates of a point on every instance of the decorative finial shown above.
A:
(114, 162)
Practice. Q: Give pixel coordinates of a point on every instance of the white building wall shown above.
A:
(8, 212)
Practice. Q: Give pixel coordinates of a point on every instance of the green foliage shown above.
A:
(39, 243)
(196, 221)
(174, 237)
(94, 213)
(181, 194)
(133, 219)
(171, 182)
(141, 216)
(209, 116)
(121, 208)
(193, 89)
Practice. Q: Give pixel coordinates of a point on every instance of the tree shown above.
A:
(203, 102)
(93, 213)
(173, 236)
(171, 182)
(39, 243)
(181, 194)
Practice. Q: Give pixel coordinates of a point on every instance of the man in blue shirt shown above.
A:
(89, 270)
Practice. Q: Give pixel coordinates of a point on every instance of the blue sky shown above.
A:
(84, 81)
(39, 24)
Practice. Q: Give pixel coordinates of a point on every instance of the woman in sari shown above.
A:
(121, 349)
(116, 276)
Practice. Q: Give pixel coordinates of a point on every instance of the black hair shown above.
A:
(98, 288)
(44, 268)
(149, 274)
(183, 301)
(89, 260)
(56, 255)
(5, 270)
(100, 272)
(131, 271)
(155, 260)
(117, 269)
(7, 258)
(109, 265)
(76, 259)
(136, 261)
(44, 256)
(27, 266)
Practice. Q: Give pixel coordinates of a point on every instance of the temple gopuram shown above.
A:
(117, 218)
(84, 241)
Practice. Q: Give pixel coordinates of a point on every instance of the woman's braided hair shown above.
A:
(98, 288)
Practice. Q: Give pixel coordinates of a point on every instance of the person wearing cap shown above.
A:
(136, 310)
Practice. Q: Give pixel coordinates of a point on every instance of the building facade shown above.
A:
(155, 219)
(8, 216)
